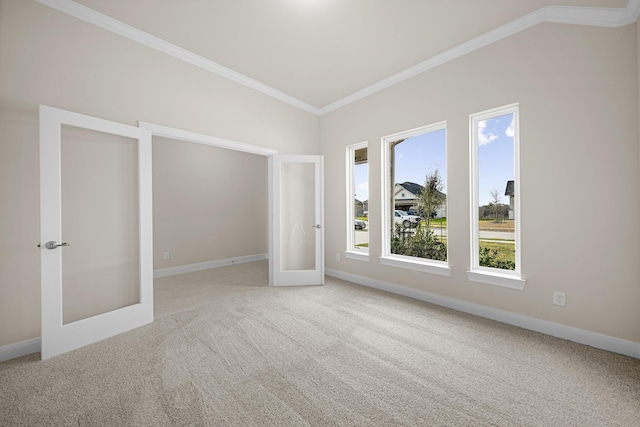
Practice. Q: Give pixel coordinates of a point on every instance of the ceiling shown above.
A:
(323, 53)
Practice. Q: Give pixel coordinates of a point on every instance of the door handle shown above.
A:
(53, 244)
(318, 226)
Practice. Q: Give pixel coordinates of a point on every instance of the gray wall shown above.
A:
(577, 89)
(578, 93)
(208, 203)
(50, 58)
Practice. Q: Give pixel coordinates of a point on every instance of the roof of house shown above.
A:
(412, 187)
(509, 190)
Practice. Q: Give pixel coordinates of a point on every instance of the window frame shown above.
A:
(494, 276)
(352, 251)
(441, 268)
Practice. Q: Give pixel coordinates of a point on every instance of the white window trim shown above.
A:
(494, 276)
(411, 263)
(357, 254)
(352, 252)
(400, 261)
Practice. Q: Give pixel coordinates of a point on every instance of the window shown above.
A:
(415, 199)
(357, 201)
(495, 197)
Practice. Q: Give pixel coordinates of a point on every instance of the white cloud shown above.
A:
(363, 186)
(485, 137)
(510, 132)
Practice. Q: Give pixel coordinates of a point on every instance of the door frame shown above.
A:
(278, 277)
(57, 337)
(200, 138)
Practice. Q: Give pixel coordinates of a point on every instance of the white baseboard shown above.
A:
(19, 349)
(593, 339)
(171, 271)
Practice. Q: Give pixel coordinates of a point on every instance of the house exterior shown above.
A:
(509, 191)
(407, 195)
(358, 207)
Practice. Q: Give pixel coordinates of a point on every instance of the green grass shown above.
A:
(363, 245)
(435, 223)
(362, 218)
(506, 251)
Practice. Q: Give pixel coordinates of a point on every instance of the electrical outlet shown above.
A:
(559, 298)
(337, 257)
(166, 255)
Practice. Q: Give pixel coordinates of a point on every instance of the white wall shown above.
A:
(19, 228)
(577, 89)
(209, 203)
(50, 58)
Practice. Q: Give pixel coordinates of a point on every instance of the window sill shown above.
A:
(435, 267)
(497, 279)
(357, 255)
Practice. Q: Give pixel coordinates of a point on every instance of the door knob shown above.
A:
(53, 244)
(318, 226)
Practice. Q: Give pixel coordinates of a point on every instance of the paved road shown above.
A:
(484, 234)
(362, 236)
(502, 235)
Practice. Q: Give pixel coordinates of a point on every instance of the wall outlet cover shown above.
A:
(559, 298)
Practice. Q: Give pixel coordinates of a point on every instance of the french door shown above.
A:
(95, 229)
(296, 233)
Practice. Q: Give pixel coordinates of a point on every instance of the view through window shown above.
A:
(495, 142)
(417, 193)
(359, 198)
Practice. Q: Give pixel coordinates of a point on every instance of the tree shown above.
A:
(422, 242)
(495, 204)
(432, 198)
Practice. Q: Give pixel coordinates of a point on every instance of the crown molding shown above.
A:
(106, 22)
(593, 16)
(631, 12)
(476, 43)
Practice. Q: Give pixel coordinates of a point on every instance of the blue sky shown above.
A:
(495, 157)
(415, 157)
(419, 155)
(360, 178)
(422, 154)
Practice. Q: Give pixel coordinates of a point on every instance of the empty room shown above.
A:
(320, 212)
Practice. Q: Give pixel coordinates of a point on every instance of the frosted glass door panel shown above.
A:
(298, 216)
(100, 215)
(296, 236)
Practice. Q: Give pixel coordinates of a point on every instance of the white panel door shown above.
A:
(95, 229)
(296, 233)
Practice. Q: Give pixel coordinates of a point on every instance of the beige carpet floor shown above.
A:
(227, 350)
